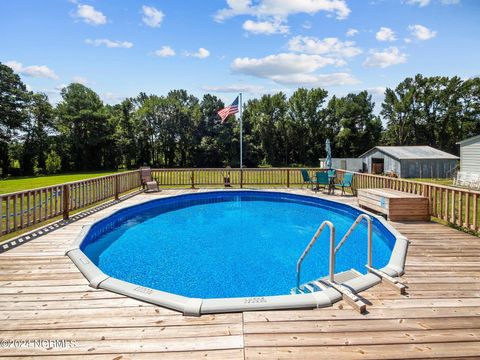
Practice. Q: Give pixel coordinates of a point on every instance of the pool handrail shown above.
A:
(333, 251)
(312, 242)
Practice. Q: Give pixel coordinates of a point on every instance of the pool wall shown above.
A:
(197, 306)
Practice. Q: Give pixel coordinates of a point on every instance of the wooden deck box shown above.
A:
(397, 205)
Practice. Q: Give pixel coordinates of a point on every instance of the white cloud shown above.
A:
(420, 3)
(151, 16)
(202, 53)
(333, 79)
(385, 58)
(235, 88)
(421, 32)
(112, 98)
(80, 80)
(293, 69)
(378, 90)
(351, 32)
(279, 64)
(327, 46)
(307, 25)
(281, 8)
(109, 43)
(385, 34)
(165, 51)
(38, 71)
(265, 27)
(90, 16)
(423, 3)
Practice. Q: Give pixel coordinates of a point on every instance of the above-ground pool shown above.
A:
(211, 246)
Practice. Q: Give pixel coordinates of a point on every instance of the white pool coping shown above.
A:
(197, 306)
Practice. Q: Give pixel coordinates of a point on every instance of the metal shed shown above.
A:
(349, 164)
(409, 161)
(470, 155)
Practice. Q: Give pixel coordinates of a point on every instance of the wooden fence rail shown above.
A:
(453, 205)
(23, 209)
(273, 177)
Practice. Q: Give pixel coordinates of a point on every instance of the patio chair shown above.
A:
(306, 178)
(332, 173)
(346, 182)
(148, 184)
(322, 180)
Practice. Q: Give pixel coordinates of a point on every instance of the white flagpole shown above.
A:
(241, 131)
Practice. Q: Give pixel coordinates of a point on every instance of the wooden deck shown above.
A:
(44, 296)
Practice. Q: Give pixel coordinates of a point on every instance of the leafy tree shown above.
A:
(13, 104)
(268, 116)
(127, 138)
(470, 112)
(360, 129)
(177, 129)
(186, 116)
(213, 140)
(86, 134)
(309, 125)
(437, 111)
(53, 163)
(37, 130)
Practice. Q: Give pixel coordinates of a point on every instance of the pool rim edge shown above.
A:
(198, 306)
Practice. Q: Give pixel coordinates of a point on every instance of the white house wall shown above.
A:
(470, 157)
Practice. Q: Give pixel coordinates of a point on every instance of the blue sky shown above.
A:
(119, 48)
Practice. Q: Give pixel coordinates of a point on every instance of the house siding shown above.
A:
(470, 157)
(428, 168)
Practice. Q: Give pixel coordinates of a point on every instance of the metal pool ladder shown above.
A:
(335, 281)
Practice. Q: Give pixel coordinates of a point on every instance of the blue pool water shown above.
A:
(228, 244)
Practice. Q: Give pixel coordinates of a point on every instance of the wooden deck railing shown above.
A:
(23, 209)
(273, 177)
(28, 208)
(454, 205)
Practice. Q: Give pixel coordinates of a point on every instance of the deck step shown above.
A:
(388, 280)
(321, 284)
(352, 299)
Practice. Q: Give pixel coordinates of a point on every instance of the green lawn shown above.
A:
(31, 182)
(446, 182)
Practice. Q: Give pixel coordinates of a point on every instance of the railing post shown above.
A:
(117, 186)
(331, 276)
(288, 178)
(192, 177)
(66, 201)
(1, 214)
(369, 242)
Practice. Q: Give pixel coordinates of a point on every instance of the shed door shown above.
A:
(378, 165)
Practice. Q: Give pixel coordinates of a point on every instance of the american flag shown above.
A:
(229, 110)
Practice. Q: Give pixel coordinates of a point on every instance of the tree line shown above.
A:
(179, 130)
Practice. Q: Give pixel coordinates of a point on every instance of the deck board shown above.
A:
(43, 296)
